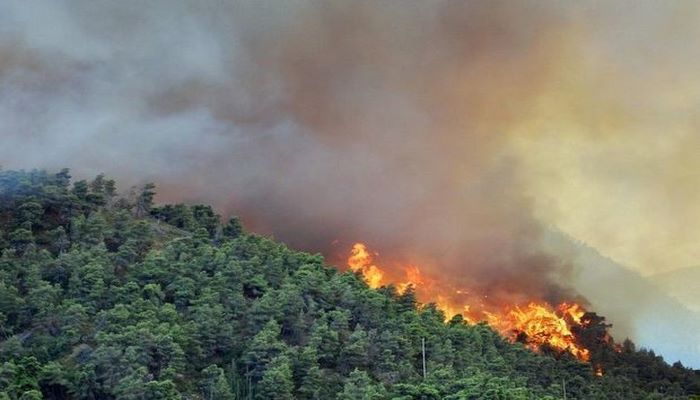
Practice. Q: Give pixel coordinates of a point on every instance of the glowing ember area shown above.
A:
(599, 371)
(535, 324)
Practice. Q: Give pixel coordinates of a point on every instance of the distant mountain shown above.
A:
(682, 284)
(638, 307)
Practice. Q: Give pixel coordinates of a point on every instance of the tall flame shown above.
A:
(535, 324)
(360, 260)
(538, 324)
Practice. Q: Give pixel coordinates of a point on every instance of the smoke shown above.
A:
(447, 134)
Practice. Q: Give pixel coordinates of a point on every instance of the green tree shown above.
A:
(265, 347)
(21, 239)
(214, 384)
(144, 199)
(355, 352)
(233, 228)
(276, 383)
(358, 386)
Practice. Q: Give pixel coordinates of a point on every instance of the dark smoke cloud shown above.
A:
(382, 122)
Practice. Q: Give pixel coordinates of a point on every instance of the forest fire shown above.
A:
(538, 325)
(360, 260)
(535, 324)
(598, 370)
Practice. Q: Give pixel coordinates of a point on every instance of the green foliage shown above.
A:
(276, 382)
(359, 386)
(214, 384)
(108, 297)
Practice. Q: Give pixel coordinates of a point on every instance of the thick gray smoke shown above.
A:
(315, 121)
(383, 122)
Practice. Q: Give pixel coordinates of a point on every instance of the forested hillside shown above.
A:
(111, 297)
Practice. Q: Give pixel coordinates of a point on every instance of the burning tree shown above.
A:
(566, 328)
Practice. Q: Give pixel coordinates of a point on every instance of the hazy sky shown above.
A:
(447, 133)
(611, 146)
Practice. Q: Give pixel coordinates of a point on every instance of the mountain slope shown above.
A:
(638, 308)
(683, 284)
(113, 298)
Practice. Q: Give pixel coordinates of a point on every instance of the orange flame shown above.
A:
(599, 371)
(413, 279)
(535, 324)
(361, 261)
(574, 311)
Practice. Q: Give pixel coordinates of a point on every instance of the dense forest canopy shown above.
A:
(108, 296)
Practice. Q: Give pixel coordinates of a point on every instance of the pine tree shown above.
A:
(276, 383)
(358, 386)
(214, 385)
